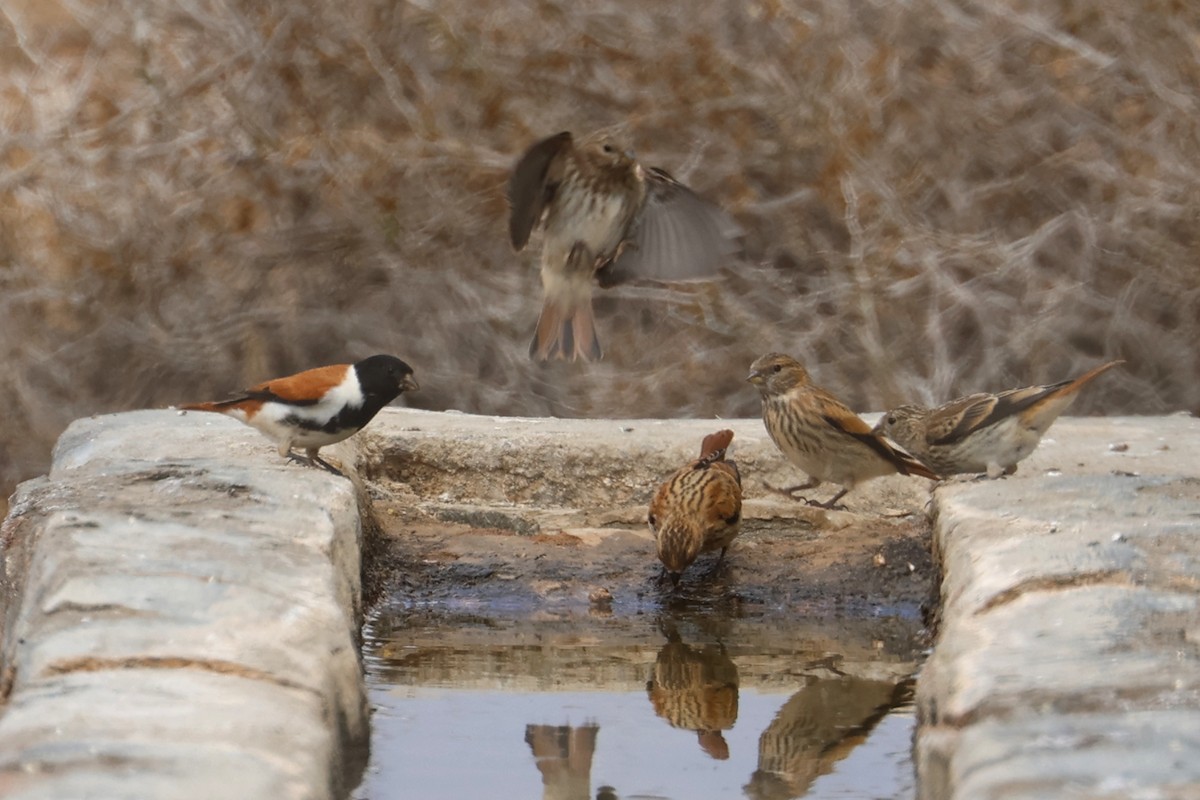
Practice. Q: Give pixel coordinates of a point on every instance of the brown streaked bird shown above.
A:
(699, 508)
(319, 406)
(984, 432)
(819, 434)
(606, 218)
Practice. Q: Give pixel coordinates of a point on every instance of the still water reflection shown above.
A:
(674, 706)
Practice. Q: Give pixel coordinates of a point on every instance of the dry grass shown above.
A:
(940, 196)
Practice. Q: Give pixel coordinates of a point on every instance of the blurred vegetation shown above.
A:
(940, 196)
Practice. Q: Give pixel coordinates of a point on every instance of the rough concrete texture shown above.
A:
(530, 474)
(181, 605)
(1067, 662)
(451, 490)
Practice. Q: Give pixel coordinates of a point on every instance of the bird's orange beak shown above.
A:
(755, 377)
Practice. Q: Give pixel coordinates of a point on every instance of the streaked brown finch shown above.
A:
(819, 434)
(699, 508)
(983, 432)
(606, 219)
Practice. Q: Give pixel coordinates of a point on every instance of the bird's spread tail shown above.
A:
(566, 331)
(714, 445)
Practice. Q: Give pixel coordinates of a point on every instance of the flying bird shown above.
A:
(819, 434)
(606, 219)
(699, 508)
(983, 432)
(319, 406)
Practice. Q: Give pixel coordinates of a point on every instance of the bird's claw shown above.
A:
(317, 461)
(828, 505)
(314, 461)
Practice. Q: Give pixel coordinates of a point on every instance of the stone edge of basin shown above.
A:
(182, 614)
(1066, 662)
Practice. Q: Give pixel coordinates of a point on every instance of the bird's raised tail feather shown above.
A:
(220, 406)
(567, 332)
(714, 445)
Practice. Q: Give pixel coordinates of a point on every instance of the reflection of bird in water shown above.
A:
(816, 728)
(696, 689)
(564, 757)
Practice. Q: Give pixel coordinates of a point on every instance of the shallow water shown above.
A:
(645, 705)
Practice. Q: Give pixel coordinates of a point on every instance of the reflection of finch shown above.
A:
(699, 508)
(819, 434)
(607, 218)
(983, 432)
(319, 406)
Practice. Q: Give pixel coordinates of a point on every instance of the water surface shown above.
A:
(669, 704)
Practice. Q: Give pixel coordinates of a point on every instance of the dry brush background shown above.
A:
(940, 196)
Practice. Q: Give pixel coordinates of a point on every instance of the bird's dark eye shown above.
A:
(777, 368)
(891, 420)
(608, 148)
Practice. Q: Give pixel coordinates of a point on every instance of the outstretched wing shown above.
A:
(532, 184)
(677, 236)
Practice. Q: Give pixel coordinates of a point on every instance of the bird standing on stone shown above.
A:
(319, 406)
(699, 508)
(606, 218)
(983, 432)
(819, 434)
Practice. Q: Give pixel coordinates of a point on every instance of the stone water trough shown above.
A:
(181, 609)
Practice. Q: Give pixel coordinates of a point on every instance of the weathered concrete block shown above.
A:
(186, 610)
(1062, 666)
(1051, 756)
(177, 732)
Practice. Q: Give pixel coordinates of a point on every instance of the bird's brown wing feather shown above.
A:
(677, 236)
(531, 184)
(842, 419)
(953, 421)
(722, 498)
(303, 387)
(661, 502)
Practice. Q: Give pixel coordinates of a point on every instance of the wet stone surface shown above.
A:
(869, 566)
(536, 514)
